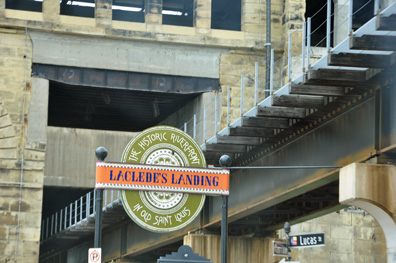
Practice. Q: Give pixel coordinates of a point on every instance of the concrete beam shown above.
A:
(132, 56)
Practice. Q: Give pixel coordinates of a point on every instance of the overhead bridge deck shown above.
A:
(340, 112)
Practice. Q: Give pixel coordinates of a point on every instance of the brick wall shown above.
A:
(20, 204)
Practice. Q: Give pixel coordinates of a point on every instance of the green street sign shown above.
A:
(163, 211)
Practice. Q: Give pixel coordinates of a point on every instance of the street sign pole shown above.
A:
(225, 161)
(101, 154)
(224, 229)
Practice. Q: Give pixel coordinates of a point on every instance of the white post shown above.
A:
(204, 125)
(303, 46)
(242, 87)
(255, 83)
(216, 114)
(328, 26)
(272, 73)
(289, 58)
(228, 105)
(309, 43)
(195, 127)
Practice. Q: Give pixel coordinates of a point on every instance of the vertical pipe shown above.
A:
(228, 105)
(47, 227)
(71, 214)
(94, 203)
(255, 83)
(185, 127)
(64, 228)
(81, 208)
(60, 220)
(88, 205)
(216, 114)
(112, 198)
(204, 125)
(242, 87)
(289, 58)
(328, 26)
(268, 49)
(224, 228)
(272, 73)
(101, 154)
(350, 17)
(105, 200)
(195, 127)
(98, 218)
(309, 44)
(304, 36)
(75, 212)
(52, 225)
(56, 222)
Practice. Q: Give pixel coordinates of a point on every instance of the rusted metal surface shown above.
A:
(124, 79)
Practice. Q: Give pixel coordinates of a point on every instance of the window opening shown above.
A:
(82, 8)
(26, 5)
(177, 12)
(128, 10)
(226, 14)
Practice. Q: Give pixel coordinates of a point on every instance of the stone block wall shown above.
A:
(353, 236)
(21, 160)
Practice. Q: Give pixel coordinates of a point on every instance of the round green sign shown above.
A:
(163, 211)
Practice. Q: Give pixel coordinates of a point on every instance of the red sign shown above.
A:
(126, 176)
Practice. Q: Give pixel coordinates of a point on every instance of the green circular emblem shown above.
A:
(163, 211)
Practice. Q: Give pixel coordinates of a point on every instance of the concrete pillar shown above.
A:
(240, 249)
(372, 187)
(153, 15)
(341, 14)
(103, 13)
(202, 16)
(51, 11)
(38, 111)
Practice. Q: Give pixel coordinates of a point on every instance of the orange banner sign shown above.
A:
(126, 176)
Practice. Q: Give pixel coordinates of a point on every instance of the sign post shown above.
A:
(101, 154)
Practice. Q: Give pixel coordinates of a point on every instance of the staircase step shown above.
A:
(342, 77)
(374, 42)
(238, 140)
(251, 131)
(233, 148)
(281, 112)
(265, 122)
(362, 60)
(387, 23)
(317, 90)
(298, 101)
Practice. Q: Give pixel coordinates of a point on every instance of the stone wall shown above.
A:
(21, 159)
(350, 236)
(240, 249)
